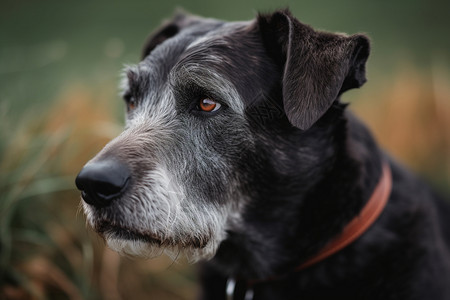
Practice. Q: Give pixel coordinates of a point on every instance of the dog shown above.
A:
(238, 153)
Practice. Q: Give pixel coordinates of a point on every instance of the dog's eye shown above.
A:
(132, 104)
(208, 105)
(130, 101)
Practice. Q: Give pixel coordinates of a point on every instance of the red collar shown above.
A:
(360, 223)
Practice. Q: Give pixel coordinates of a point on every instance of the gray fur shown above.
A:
(264, 183)
(160, 145)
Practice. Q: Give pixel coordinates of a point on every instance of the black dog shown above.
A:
(237, 150)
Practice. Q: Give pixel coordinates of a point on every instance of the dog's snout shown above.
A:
(103, 181)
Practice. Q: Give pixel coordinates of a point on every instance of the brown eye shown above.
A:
(130, 101)
(208, 105)
(131, 104)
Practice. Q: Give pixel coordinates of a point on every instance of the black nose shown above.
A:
(103, 181)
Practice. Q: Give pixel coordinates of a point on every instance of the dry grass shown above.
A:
(47, 252)
(410, 116)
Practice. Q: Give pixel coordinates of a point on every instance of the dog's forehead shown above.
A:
(157, 66)
(218, 35)
(235, 52)
(211, 45)
(225, 57)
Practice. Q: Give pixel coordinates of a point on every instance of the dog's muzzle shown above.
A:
(103, 181)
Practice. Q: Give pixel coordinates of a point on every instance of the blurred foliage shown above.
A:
(410, 117)
(47, 45)
(41, 253)
(59, 66)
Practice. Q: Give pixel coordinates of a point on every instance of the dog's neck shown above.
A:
(352, 231)
(297, 225)
(358, 226)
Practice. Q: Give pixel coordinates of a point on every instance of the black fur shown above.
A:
(310, 170)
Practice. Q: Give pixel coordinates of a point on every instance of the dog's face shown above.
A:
(181, 175)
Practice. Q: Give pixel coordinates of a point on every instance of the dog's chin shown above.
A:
(133, 240)
(150, 249)
(145, 245)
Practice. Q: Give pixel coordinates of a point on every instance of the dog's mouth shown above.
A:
(107, 230)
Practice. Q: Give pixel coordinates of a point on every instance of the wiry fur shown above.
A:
(174, 214)
(262, 184)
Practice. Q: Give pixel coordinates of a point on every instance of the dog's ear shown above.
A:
(167, 30)
(317, 66)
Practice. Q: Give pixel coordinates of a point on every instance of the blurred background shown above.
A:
(59, 68)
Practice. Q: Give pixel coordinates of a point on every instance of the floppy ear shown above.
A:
(167, 30)
(317, 66)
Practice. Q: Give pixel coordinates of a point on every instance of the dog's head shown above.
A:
(212, 112)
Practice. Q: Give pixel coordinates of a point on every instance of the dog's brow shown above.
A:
(128, 78)
(131, 75)
(136, 79)
(210, 80)
(135, 74)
